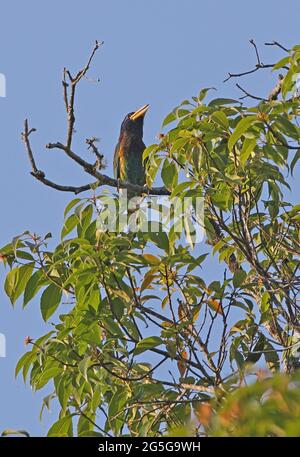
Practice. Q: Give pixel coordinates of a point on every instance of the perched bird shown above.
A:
(128, 158)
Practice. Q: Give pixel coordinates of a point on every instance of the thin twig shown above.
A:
(275, 43)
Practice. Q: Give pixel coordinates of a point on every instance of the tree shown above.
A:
(146, 345)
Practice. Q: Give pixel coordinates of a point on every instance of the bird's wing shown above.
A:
(116, 164)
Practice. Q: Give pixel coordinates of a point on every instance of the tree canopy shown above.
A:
(141, 342)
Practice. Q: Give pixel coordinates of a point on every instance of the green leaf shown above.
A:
(223, 101)
(265, 302)
(220, 118)
(282, 63)
(171, 117)
(16, 281)
(63, 427)
(147, 343)
(295, 160)
(10, 431)
(203, 92)
(221, 199)
(28, 356)
(71, 205)
(248, 146)
(288, 83)
(169, 174)
(50, 300)
(84, 365)
(69, 225)
(84, 425)
(46, 375)
(46, 403)
(117, 402)
(287, 128)
(242, 127)
(32, 287)
(239, 278)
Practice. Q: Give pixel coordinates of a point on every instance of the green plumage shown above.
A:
(128, 161)
(128, 157)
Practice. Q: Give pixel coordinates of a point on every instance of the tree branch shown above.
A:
(275, 43)
(101, 179)
(258, 66)
(91, 169)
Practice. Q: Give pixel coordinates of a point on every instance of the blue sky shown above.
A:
(157, 52)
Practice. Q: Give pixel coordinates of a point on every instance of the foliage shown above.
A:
(140, 338)
(268, 407)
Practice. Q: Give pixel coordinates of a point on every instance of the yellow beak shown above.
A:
(140, 112)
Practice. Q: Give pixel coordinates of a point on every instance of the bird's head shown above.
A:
(133, 122)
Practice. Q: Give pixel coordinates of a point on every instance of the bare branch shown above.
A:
(70, 100)
(275, 43)
(256, 51)
(247, 94)
(90, 168)
(258, 66)
(100, 164)
(40, 175)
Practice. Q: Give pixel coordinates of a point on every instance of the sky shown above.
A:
(158, 52)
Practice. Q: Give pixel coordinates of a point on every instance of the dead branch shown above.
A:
(259, 64)
(275, 43)
(69, 84)
(247, 94)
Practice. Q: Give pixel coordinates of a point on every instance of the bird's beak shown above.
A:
(139, 113)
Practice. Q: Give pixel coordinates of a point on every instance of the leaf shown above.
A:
(242, 127)
(294, 161)
(147, 343)
(265, 302)
(69, 225)
(169, 174)
(221, 199)
(117, 402)
(220, 118)
(223, 101)
(248, 146)
(32, 287)
(181, 364)
(281, 63)
(215, 305)
(149, 150)
(63, 427)
(50, 300)
(147, 280)
(71, 205)
(84, 365)
(288, 83)
(84, 425)
(287, 128)
(28, 356)
(257, 351)
(46, 375)
(46, 403)
(203, 92)
(271, 356)
(16, 281)
(203, 412)
(10, 431)
(171, 117)
(151, 259)
(239, 278)
(181, 187)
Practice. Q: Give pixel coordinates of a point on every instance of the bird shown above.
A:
(128, 157)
